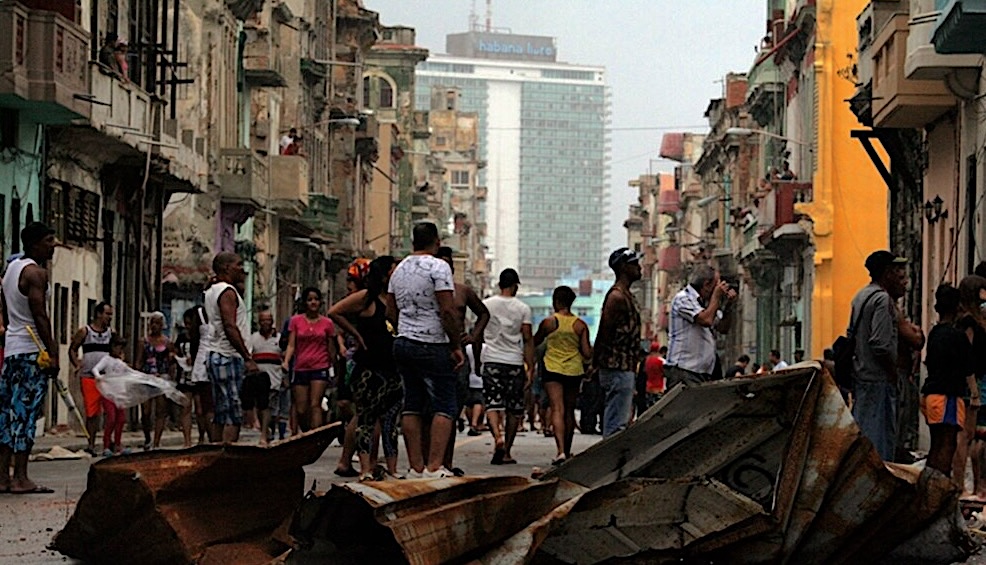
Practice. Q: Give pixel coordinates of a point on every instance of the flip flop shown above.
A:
(509, 462)
(38, 489)
(558, 461)
(498, 456)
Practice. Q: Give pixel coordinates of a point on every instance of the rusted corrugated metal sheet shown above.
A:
(182, 506)
(421, 521)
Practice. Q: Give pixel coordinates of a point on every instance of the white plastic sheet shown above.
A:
(126, 387)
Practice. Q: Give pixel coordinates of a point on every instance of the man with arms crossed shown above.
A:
(428, 348)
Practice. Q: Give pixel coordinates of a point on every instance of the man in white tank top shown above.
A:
(23, 383)
(229, 359)
(94, 339)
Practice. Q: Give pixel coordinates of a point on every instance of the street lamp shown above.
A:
(747, 132)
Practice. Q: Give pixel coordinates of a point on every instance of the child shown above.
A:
(950, 377)
(122, 387)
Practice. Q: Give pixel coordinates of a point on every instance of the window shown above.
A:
(386, 94)
(61, 306)
(366, 89)
(460, 178)
(73, 213)
(76, 303)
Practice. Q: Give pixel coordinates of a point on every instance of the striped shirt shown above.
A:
(691, 346)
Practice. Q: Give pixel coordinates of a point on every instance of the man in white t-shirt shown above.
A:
(507, 358)
(776, 361)
(421, 303)
(287, 140)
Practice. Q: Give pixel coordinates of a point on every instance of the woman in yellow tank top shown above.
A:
(567, 349)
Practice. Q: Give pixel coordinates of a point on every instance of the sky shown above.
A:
(664, 59)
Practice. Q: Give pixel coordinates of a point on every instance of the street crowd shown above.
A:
(400, 356)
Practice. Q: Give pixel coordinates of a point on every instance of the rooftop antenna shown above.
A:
(473, 18)
(489, 16)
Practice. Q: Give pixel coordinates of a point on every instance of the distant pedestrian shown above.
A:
(972, 437)
(267, 383)
(312, 347)
(617, 351)
(30, 355)
(115, 416)
(228, 356)
(875, 328)
(950, 377)
(428, 348)
(567, 351)
(776, 360)
(191, 357)
(475, 403)
(156, 356)
(654, 369)
(94, 339)
(699, 312)
(799, 355)
(508, 364)
(739, 368)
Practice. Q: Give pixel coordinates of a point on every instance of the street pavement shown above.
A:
(28, 522)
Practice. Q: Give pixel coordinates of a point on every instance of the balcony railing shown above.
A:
(288, 183)
(961, 27)
(119, 107)
(243, 176)
(785, 195)
(43, 62)
(668, 202)
(669, 258)
(322, 216)
(923, 60)
(899, 102)
(262, 64)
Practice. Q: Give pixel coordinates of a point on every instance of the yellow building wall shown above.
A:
(850, 210)
(379, 212)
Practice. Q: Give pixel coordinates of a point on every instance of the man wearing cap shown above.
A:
(875, 328)
(617, 350)
(23, 384)
(507, 356)
(698, 312)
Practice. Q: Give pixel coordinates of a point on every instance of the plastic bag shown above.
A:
(126, 387)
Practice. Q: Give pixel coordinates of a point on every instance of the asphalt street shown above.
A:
(28, 522)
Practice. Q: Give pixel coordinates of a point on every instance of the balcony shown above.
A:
(765, 91)
(669, 258)
(42, 64)
(243, 177)
(288, 183)
(668, 202)
(119, 107)
(923, 61)
(961, 27)
(322, 216)
(262, 64)
(899, 102)
(778, 214)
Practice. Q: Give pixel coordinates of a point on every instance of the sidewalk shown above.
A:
(73, 442)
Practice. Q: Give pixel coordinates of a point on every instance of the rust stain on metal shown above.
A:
(183, 506)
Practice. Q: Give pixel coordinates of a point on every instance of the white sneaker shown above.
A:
(412, 474)
(440, 473)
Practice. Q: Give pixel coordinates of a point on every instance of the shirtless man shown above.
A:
(465, 298)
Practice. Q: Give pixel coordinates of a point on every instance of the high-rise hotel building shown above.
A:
(544, 134)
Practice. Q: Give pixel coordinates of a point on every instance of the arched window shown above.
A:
(386, 94)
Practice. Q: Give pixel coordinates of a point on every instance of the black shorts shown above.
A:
(256, 391)
(549, 377)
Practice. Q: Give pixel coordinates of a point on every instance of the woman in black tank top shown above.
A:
(376, 385)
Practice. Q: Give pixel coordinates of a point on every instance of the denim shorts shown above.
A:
(429, 381)
(226, 374)
(305, 378)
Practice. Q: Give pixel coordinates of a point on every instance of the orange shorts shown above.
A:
(91, 397)
(941, 409)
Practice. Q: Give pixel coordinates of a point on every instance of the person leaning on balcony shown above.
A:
(698, 312)
(120, 55)
(107, 53)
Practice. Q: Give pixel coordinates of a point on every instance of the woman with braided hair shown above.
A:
(375, 383)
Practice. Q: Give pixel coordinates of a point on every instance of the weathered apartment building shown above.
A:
(786, 203)
(919, 102)
(146, 172)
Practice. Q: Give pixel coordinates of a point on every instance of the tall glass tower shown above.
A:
(544, 134)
